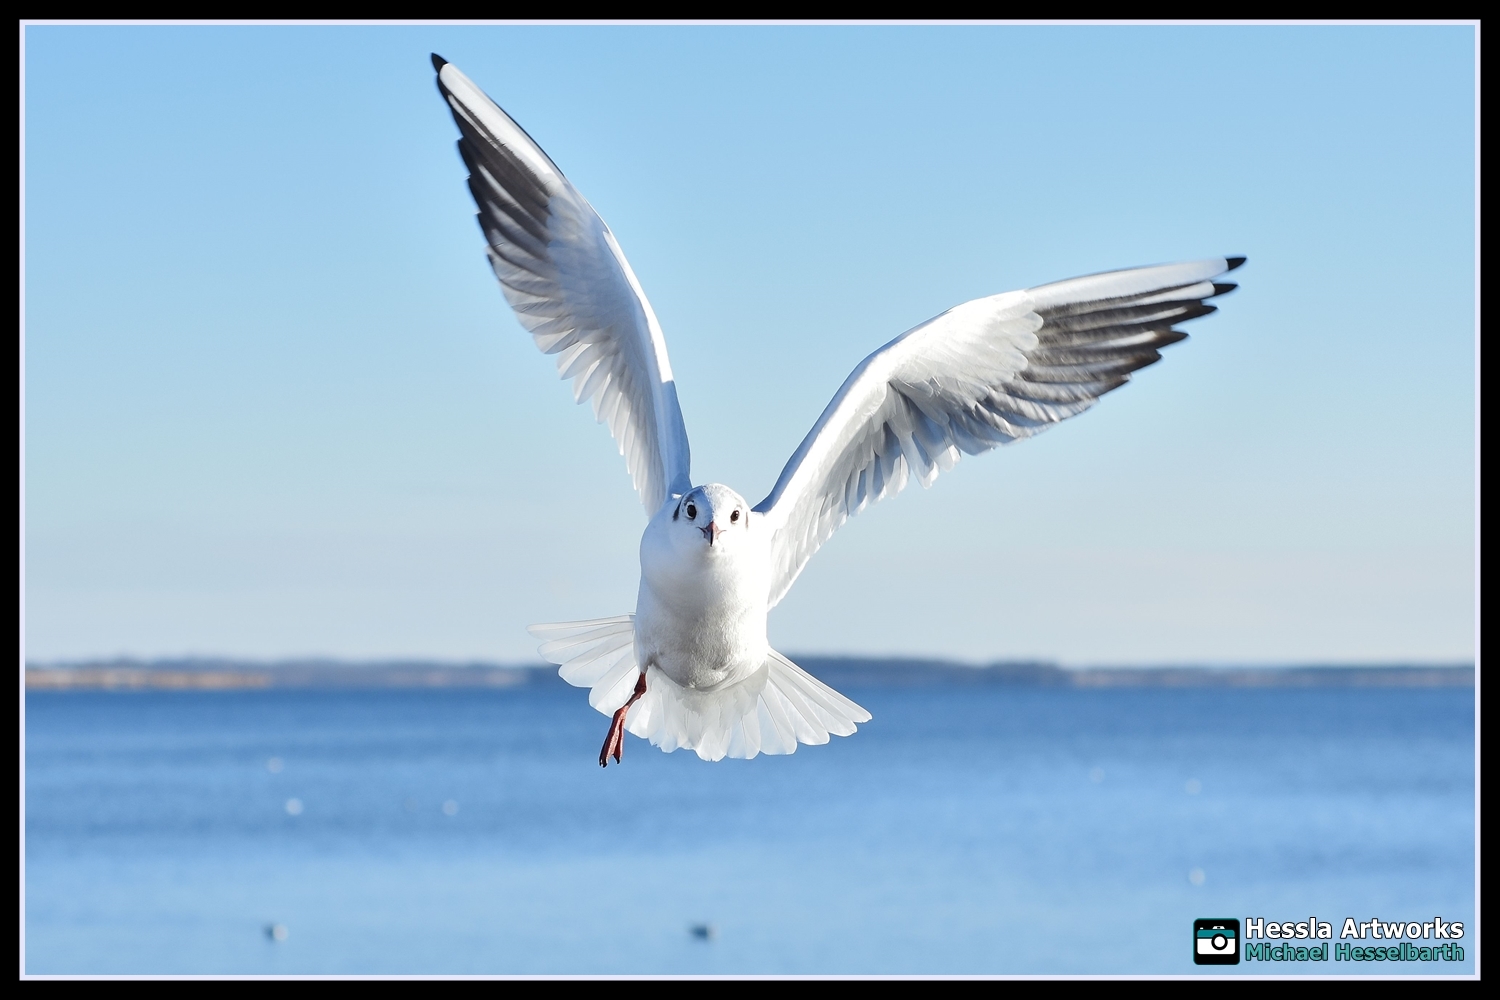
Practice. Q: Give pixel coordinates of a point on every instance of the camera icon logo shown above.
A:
(1216, 941)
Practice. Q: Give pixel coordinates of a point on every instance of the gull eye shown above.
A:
(692, 511)
(734, 517)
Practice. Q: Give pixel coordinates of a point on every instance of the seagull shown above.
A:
(691, 668)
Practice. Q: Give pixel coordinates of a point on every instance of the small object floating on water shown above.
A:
(704, 932)
(276, 932)
(294, 807)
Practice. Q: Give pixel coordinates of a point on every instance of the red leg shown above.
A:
(614, 743)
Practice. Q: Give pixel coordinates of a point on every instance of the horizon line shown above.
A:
(232, 662)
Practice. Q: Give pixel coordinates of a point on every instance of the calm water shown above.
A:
(965, 830)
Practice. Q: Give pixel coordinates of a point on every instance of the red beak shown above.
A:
(712, 532)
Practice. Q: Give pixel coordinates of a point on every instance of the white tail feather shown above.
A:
(771, 711)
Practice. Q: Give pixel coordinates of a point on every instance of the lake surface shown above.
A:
(981, 829)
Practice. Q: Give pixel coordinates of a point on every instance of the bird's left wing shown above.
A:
(982, 374)
(571, 287)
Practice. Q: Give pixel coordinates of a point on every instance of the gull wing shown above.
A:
(571, 287)
(982, 374)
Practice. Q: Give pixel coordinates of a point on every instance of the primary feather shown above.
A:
(564, 274)
(982, 374)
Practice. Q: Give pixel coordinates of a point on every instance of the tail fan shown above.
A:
(770, 712)
(598, 654)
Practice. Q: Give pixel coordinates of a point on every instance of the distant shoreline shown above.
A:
(236, 675)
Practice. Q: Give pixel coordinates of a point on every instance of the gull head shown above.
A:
(712, 517)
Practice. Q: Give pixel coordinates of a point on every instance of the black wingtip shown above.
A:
(438, 62)
(1224, 287)
(1231, 262)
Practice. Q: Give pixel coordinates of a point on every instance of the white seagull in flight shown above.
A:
(692, 667)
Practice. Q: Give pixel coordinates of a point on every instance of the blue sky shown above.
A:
(275, 404)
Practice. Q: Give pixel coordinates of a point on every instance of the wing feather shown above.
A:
(982, 374)
(564, 274)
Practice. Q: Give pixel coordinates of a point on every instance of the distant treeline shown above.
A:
(840, 671)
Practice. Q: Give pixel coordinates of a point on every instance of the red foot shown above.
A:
(614, 743)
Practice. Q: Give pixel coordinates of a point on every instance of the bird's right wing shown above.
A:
(982, 374)
(571, 287)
